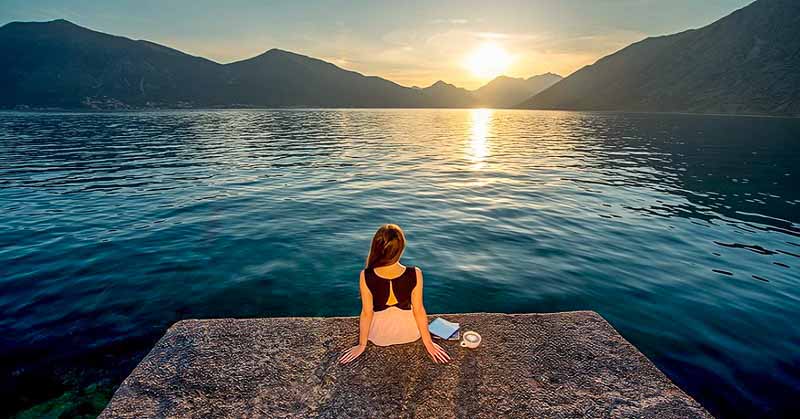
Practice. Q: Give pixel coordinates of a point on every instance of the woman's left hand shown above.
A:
(352, 353)
(437, 353)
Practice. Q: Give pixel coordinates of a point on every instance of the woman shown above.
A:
(391, 299)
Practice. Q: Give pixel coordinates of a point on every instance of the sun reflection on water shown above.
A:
(478, 145)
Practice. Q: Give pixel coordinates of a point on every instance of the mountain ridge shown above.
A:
(60, 64)
(505, 91)
(744, 63)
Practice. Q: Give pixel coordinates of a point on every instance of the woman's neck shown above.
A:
(389, 270)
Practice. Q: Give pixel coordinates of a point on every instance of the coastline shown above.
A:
(57, 110)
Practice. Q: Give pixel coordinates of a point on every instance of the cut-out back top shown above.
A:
(391, 292)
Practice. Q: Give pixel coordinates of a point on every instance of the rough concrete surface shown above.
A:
(529, 365)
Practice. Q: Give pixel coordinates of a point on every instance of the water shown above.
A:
(681, 230)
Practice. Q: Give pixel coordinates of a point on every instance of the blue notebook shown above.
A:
(443, 328)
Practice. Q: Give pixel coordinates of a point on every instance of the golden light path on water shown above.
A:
(478, 145)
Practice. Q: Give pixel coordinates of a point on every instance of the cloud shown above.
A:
(450, 21)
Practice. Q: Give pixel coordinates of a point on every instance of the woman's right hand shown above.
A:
(352, 353)
(437, 353)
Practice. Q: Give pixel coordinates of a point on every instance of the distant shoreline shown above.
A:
(310, 108)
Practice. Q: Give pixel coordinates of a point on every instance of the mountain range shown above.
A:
(63, 65)
(745, 63)
(505, 92)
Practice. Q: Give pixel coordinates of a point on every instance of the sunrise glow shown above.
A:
(488, 61)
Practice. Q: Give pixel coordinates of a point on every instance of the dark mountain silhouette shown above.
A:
(445, 95)
(505, 92)
(63, 65)
(281, 78)
(747, 62)
(60, 64)
(502, 92)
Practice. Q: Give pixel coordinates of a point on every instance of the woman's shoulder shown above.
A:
(415, 279)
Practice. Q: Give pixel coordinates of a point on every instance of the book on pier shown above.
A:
(444, 329)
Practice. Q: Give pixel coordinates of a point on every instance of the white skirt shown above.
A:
(393, 326)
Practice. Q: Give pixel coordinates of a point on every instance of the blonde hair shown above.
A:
(387, 246)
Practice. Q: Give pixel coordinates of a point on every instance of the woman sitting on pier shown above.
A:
(391, 299)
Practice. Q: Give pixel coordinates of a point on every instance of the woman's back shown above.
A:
(391, 292)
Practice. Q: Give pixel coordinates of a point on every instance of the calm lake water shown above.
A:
(682, 231)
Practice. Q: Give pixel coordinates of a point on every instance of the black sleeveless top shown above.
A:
(401, 287)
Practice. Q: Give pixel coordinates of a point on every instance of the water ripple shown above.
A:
(680, 230)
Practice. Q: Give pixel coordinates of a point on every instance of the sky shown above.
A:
(414, 43)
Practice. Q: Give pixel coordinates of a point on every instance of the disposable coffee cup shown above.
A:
(471, 339)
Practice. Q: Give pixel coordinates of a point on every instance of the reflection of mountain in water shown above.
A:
(736, 168)
(733, 181)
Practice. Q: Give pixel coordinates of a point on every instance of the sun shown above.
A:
(488, 61)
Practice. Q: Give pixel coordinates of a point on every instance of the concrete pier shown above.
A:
(529, 365)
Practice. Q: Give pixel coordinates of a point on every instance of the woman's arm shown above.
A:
(365, 320)
(435, 351)
(364, 323)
